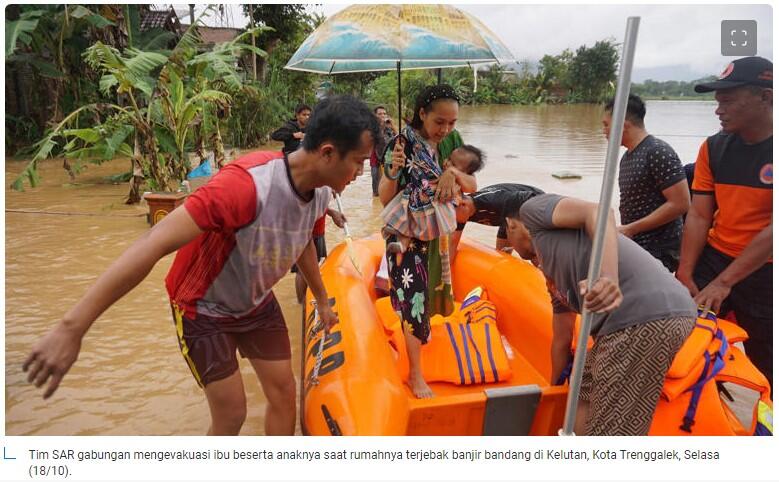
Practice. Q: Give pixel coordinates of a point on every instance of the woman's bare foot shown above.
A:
(419, 386)
(416, 381)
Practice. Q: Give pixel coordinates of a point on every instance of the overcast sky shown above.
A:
(675, 42)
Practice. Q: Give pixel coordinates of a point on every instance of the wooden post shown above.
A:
(254, 57)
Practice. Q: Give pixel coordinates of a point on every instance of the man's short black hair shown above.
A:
(477, 161)
(514, 203)
(376, 109)
(301, 107)
(635, 112)
(341, 120)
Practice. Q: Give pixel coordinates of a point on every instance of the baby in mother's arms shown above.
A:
(414, 212)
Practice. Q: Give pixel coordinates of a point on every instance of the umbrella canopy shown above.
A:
(366, 38)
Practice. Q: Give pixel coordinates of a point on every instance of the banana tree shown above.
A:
(131, 76)
(168, 95)
(215, 70)
(179, 113)
(19, 32)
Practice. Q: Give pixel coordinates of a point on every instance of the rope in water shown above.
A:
(314, 378)
(65, 213)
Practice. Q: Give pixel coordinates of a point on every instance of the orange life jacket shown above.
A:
(694, 392)
(464, 348)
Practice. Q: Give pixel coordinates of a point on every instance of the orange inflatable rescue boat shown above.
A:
(489, 362)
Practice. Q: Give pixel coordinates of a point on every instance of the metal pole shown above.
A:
(400, 113)
(439, 74)
(607, 189)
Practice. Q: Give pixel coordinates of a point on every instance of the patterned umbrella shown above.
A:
(364, 38)
(367, 38)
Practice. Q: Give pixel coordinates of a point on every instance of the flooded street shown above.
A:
(130, 378)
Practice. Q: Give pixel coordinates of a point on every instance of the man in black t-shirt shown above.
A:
(653, 192)
(487, 206)
(294, 130)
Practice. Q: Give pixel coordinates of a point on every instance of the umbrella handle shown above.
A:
(390, 147)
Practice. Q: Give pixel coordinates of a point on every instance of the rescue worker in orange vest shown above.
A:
(726, 258)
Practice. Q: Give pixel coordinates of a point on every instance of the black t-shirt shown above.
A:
(644, 173)
(490, 205)
(286, 134)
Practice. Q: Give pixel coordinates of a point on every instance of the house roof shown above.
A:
(164, 19)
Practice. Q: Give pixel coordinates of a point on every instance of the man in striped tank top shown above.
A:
(236, 237)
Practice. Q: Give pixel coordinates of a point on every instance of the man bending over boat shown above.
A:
(642, 313)
(236, 237)
(487, 206)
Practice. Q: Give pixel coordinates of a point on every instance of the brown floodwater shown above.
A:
(130, 378)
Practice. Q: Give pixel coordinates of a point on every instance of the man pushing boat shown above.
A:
(236, 237)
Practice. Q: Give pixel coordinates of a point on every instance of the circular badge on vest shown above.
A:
(767, 174)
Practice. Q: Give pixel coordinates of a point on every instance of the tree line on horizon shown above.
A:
(672, 89)
(88, 83)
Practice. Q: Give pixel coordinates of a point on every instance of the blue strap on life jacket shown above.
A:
(476, 350)
(709, 315)
(761, 430)
(467, 354)
(707, 328)
(453, 341)
(489, 352)
(713, 365)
